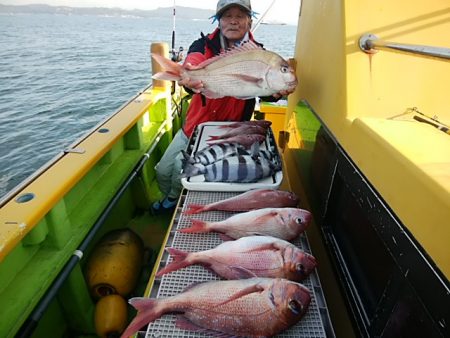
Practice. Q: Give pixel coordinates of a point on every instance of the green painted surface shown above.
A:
(307, 126)
(29, 270)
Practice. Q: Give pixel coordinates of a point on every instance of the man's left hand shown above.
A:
(282, 93)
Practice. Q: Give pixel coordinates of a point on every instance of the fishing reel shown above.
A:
(177, 56)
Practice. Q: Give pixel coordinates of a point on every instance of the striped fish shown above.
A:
(256, 152)
(238, 169)
(215, 152)
(266, 154)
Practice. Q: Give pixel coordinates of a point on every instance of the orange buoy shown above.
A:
(110, 316)
(115, 264)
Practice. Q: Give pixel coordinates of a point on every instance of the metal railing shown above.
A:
(370, 43)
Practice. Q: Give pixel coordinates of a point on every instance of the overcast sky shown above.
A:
(282, 11)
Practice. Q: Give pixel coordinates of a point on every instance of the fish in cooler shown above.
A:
(247, 140)
(255, 307)
(241, 169)
(241, 130)
(252, 256)
(249, 200)
(215, 152)
(262, 123)
(283, 223)
(244, 72)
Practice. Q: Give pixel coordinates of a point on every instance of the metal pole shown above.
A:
(370, 44)
(174, 56)
(255, 27)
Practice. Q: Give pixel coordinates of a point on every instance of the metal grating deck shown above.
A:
(315, 323)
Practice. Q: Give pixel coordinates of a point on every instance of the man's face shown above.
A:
(234, 23)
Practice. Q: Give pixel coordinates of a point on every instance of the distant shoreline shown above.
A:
(182, 12)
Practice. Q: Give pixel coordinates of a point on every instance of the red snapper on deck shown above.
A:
(283, 223)
(252, 256)
(255, 307)
(249, 200)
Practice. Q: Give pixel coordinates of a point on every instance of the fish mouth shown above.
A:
(292, 83)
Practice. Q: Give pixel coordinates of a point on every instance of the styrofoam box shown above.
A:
(198, 182)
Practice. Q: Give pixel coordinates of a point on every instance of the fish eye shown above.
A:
(295, 306)
(299, 220)
(300, 267)
(284, 69)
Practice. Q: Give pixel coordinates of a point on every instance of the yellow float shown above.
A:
(115, 264)
(110, 316)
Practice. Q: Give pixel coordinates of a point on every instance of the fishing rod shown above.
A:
(255, 27)
(176, 55)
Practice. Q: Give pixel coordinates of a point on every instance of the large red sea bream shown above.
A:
(249, 200)
(255, 307)
(252, 256)
(243, 72)
(284, 223)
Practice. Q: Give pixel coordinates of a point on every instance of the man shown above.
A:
(235, 21)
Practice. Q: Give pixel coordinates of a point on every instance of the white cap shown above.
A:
(223, 5)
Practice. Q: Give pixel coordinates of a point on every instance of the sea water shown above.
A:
(60, 75)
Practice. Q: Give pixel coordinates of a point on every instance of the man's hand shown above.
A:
(195, 85)
(282, 93)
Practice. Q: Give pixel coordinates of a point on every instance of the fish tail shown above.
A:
(147, 312)
(194, 209)
(189, 169)
(172, 71)
(187, 158)
(254, 150)
(179, 261)
(197, 226)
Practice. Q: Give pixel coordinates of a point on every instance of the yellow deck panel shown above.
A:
(409, 164)
(357, 97)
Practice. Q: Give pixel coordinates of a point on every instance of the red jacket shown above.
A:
(202, 109)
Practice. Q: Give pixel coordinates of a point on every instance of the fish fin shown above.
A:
(172, 69)
(194, 209)
(186, 158)
(185, 324)
(266, 246)
(166, 76)
(254, 288)
(210, 94)
(147, 312)
(192, 169)
(179, 261)
(244, 97)
(245, 47)
(248, 78)
(262, 219)
(225, 238)
(242, 273)
(197, 226)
